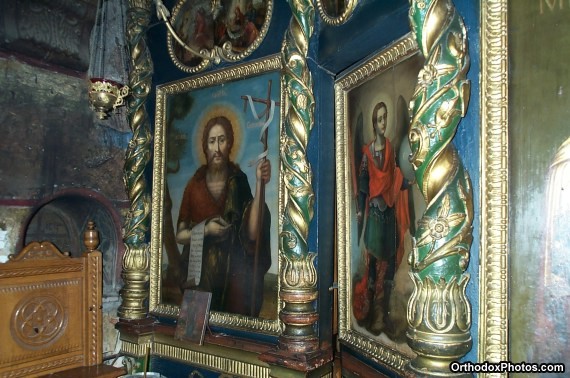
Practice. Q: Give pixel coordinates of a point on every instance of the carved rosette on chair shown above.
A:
(136, 260)
(439, 313)
(298, 343)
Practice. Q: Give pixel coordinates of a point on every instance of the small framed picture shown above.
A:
(193, 317)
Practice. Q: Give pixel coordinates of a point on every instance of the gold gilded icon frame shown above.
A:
(521, 269)
(357, 92)
(493, 271)
(219, 86)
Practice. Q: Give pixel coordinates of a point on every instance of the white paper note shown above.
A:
(196, 250)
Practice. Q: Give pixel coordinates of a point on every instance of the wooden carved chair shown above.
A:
(51, 312)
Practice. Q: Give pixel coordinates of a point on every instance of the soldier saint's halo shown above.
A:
(219, 111)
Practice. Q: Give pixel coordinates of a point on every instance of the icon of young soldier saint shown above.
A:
(225, 229)
(383, 217)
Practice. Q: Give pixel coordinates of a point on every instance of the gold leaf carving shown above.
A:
(440, 307)
(299, 272)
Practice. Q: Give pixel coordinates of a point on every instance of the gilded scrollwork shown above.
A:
(439, 313)
(368, 348)
(299, 273)
(436, 229)
(222, 76)
(299, 120)
(441, 306)
(267, 326)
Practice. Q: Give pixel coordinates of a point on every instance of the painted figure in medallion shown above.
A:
(219, 24)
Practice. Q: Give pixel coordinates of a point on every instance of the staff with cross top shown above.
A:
(268, 113)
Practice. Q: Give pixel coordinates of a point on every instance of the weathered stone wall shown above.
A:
(55, 32)
(49, 139)
(59, 165)
(51, 144)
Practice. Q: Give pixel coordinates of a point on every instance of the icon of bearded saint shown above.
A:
(226, 235)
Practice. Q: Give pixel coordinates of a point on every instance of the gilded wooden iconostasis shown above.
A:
(302, 86)
(310, 88)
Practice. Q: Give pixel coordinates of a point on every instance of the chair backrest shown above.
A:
(50, 309)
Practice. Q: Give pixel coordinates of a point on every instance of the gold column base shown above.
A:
(299, 317)
(435, 352)
(439, 318)
(134, 294)
(298, 353)
(137, 337)
(135, 289)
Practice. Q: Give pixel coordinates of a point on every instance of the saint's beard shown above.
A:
(218, 166)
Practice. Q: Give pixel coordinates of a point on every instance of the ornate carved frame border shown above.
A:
(493, 271)
(389, 57)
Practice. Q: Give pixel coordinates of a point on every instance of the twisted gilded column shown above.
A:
(298, 273)
(298, 346)
(136, 259)
(439, 313)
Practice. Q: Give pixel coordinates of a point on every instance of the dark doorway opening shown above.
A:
(62, 221)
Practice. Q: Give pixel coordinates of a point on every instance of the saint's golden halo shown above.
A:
(390, 124)
(219, 110)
